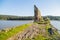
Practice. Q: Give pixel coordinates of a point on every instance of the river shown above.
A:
(56, 24)
(9, 24)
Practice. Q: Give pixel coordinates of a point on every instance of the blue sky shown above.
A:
(26, 7)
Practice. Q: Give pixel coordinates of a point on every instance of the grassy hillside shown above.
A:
(44, 34)
(38, 31)
(5, 34)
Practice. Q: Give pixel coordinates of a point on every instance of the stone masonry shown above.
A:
(37, 14)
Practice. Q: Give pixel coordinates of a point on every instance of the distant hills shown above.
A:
(10, 17)
(53, 17)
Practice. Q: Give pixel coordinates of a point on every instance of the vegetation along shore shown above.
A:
(39, 29)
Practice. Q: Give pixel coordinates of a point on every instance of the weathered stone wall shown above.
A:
(37, 14)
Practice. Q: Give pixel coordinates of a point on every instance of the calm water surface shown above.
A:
(9, 24)
(56, 24)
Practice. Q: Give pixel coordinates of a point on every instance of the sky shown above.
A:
(26, 7)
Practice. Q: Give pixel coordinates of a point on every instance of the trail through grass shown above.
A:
(13, 31)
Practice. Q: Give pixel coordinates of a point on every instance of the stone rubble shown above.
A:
(30, 32)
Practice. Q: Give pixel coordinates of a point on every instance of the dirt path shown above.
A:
(30, 32)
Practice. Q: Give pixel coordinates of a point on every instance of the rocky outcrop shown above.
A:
(37, 14)
(36, 30)
(44, 29)
(30, 32)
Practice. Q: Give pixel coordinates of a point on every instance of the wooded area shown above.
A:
(9, 17)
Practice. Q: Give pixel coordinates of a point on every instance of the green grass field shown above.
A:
(12, 31)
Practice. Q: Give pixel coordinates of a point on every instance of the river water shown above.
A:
(56, 24)
(9, 24)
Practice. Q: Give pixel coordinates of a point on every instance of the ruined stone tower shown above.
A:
(37, 14)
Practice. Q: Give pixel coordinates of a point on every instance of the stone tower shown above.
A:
(37, 14)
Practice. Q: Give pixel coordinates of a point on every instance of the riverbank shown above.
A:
(4, 35)
(12, 17)
(31, 31)
(37, 32)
